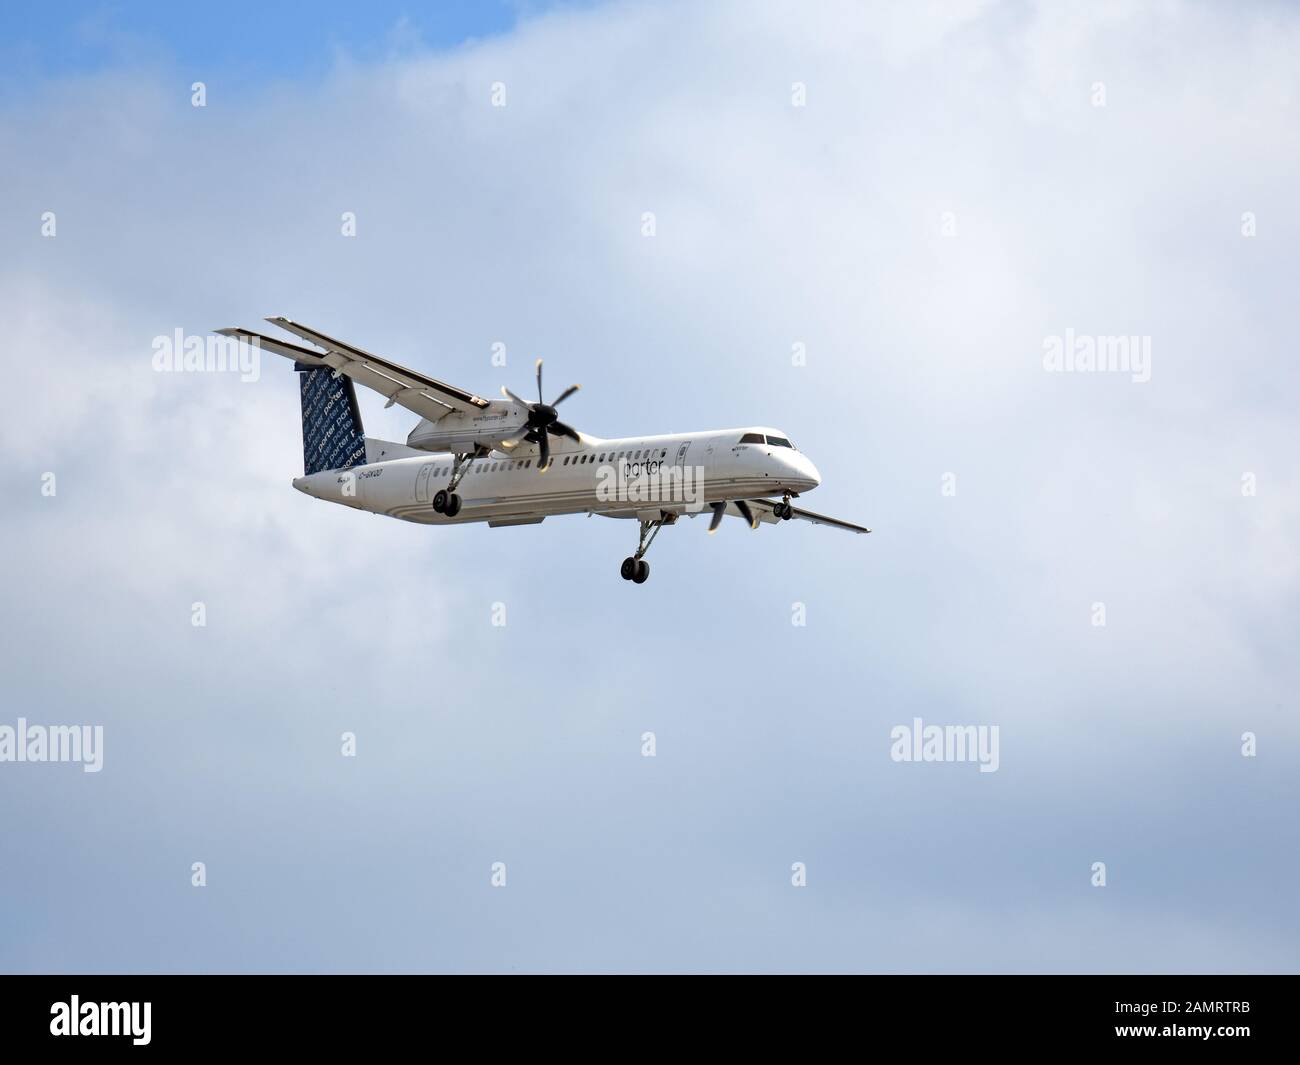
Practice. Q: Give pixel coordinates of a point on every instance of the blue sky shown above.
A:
(950, 197)
(251, 41)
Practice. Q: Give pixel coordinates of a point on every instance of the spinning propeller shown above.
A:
(720, 509)
(543, 419)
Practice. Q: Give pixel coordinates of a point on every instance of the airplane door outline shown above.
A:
(422, 483)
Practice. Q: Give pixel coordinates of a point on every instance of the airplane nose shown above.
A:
(803, 473)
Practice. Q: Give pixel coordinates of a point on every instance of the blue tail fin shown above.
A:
(332, 437)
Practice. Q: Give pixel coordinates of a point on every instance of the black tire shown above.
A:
(440, 500)
(642, 572)
(453, 505)
(628, 570)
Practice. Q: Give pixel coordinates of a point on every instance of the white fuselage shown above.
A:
(643, 477)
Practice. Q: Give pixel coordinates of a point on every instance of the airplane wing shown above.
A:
(763, 511)
(425, 396)
(280, 347)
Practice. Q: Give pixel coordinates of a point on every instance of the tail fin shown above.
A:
(332, 437)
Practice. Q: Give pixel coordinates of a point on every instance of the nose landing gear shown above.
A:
(783, 510)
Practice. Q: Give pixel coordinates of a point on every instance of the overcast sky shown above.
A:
(922, 197)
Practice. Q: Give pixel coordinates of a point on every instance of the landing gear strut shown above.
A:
(445, 500)
(636, 568)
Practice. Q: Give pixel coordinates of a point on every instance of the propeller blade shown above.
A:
(510, 395)
(719, 509)
(560, 429)
(746, 513)
(539, 382)
(544, 446)
(566, 394)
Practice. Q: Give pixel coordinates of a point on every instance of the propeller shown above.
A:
(720, 509)
(543, 420)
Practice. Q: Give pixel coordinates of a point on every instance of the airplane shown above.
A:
(511, 461)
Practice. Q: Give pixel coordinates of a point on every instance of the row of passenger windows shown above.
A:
(775, 441)
(640, 455)
(480, 466)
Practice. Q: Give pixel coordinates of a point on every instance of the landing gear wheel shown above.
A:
(440, 501)
(452, 506)
(635, 568)
(783, 511)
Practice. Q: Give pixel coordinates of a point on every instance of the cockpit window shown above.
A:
(780, 441)
(752, 438)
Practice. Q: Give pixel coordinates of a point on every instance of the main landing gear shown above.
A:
(636, 568)
(445, 500)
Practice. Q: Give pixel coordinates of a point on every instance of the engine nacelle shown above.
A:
(463, 431)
